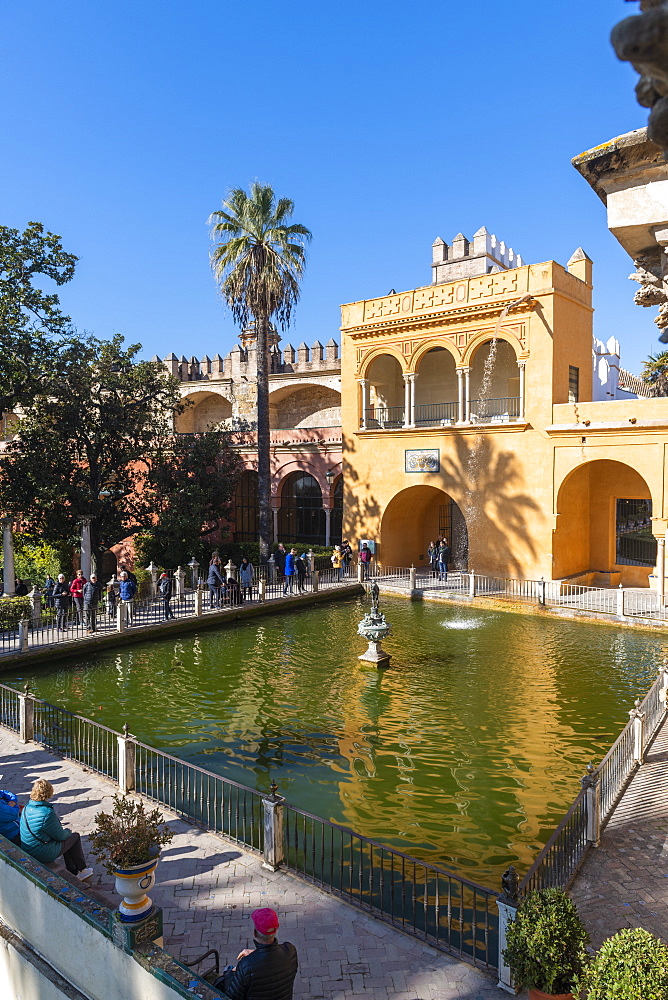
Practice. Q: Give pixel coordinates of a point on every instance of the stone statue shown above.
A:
(375, 596)
(642, 40)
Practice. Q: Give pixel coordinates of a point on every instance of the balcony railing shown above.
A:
(493, 411)
(436, 414)
(384, 416)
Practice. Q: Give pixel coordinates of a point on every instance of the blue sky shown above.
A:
(388, 124)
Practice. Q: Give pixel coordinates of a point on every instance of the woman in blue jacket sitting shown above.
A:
(44, 837)
(9, 817)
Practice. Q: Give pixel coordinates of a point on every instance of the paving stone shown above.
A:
(208, 886)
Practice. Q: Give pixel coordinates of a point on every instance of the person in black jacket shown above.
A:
(61, 600)
(165, 591)
(92, 595)
(266, 972)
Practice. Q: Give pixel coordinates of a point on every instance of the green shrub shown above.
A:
(128, 835)
(631, 965)
(546, 943)
(13, 610)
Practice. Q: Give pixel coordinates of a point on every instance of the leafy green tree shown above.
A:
(655, 373)
(194, 480)
(258, 262)
(32, 327)
(100, 445)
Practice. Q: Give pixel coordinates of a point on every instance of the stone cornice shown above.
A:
(435, 319)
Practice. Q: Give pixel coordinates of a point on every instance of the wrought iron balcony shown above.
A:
(495, 411)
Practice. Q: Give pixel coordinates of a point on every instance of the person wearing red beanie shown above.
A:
(266, 972)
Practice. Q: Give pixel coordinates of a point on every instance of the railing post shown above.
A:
(620, 602)
(36, 597)
(198, 602)
(121, 612)
(26, 715)
(360, 572)
(230, 570)
(262, 590)
(310, 555)
(273, 829)
(24, 625)
(591, 782)
(507, 904)
(412, 579)
(180, 579)
(316, 581)
(638, 719)
(663, 692)
(126, 761)
(471, 584)
(541, 591)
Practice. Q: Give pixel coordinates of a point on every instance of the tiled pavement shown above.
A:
(207, 888)
(624, 882)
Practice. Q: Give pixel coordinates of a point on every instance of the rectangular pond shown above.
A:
(465, 753)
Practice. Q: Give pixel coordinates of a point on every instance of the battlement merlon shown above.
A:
(464, 258)
(241, 361)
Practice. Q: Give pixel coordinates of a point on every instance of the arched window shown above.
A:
(301, 516)
(246, 508)
(336, 524)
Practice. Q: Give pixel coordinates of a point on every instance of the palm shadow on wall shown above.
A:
(486, 483)
(365, 509)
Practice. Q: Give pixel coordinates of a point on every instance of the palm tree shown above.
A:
(258, 262)
(655, 373)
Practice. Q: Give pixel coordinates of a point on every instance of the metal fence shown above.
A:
(9, 708)
(437, 906)
(558, 862)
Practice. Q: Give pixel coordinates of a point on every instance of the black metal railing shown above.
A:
(439, 907)
(80, 739)
(436, 414)
(558, 862)
(495, 410)
(380, 417)
(9, 708)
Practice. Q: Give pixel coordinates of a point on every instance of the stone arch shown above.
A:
(304, 405)
(208, 409)
(301, 516)
(486, 337)
(377, 352)
(503, 379)
(385, 388)
(313, 468)
(436, 387)
(428, 345)
(584, 541)
(414, 517)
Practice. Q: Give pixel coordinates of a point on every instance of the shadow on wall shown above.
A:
(500, 519)
(361, 510)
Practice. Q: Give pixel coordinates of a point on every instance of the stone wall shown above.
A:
(312, 406)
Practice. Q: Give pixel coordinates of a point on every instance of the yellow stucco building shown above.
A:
(467, 411)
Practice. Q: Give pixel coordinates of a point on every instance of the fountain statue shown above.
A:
(374, 628)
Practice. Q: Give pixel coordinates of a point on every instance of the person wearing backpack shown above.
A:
(165, 591)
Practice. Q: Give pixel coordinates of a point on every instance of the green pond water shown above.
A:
(466, 752)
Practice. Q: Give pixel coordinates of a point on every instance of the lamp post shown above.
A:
(194, 566)
(329, 476)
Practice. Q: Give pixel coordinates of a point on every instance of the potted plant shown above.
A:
(546, 945)
(632, 964)
(127, 840)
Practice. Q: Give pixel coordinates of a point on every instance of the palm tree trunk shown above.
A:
(263, 437)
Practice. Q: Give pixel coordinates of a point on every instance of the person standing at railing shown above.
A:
(61, 602)
(127, 590)
(337, 562)
(443, 559)
(43, 835)
(246, 577)
(289, 572)
(49, 584)
(76, 590)
(432, 555)
(265, 972)
(165, 591)
(366, 555)
(280, 557)
(346, 556)
(300, 565)
(111, 600)
(92, 595)
(215, 582)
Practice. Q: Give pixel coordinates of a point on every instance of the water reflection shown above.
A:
(467, 751)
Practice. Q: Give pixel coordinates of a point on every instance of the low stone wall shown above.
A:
(57, 941)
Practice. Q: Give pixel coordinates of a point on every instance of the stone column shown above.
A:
(507, 913)
(638, 719)
(460, 396)
(328, 525)
(591, 782)
(36, 598)
(365, 401)
(407, 399)
(661, 569)
(274, 514)
(522, 366)
(180, 581)
(86, 551)
(8, 573)
(411, 421)
(467, 395)
(126, 761)
(26, 716)
(230, 569)
(273, 830)
(153, 570)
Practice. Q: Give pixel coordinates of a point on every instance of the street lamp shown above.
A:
(329, 476)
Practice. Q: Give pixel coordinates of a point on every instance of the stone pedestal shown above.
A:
(374, 654)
